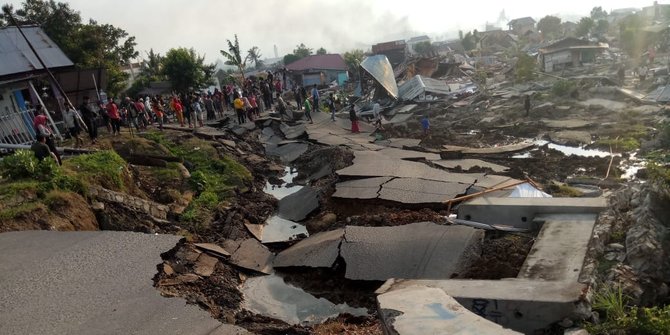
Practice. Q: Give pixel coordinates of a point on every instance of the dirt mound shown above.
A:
(501, 257)
(62, 211)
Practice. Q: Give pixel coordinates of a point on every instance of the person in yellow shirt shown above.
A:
(238, 103)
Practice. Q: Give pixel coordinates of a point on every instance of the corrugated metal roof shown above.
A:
(380, 68)
(419, 85)
(318, 62)
(16, 57)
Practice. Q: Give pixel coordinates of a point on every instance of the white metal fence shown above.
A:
(17, 127)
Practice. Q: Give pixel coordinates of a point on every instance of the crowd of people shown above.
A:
(254, 96)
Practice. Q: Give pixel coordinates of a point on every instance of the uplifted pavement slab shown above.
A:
(92, 283)
(467, 164)
(400, 142)
(375, 164)
(491, 150)
(294, 132)
(560, 248)
(420, 191)
(252, 255)
(287, 152)
(417, 250)
(427, 310)
(367, 188)
(297, 206)
(318, 250)
(525, 306)
(408, 154)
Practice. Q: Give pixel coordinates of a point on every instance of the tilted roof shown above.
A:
(17, 58)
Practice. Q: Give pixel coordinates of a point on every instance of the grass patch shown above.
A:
(564, 191)
(169, 173)
(619, 318)
(20, 187)
(213, 177)
(19, 211)
(619, 144)
(105, 168)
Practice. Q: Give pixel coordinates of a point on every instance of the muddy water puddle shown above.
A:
(272, 297)
(283, 190)
(277, 229)
(566, 150)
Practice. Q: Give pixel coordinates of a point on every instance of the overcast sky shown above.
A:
(337, 25)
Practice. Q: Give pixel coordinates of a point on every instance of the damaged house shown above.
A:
(568, 52)
(522, 26)
(395, 51)
(319, 70)
(23, 83)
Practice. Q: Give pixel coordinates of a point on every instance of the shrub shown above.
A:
(563, 88)
(22, 164)
(105, 168)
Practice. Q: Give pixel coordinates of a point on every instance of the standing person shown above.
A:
(376, 114)
(254, 105)
(247, 106)
(238, 104)
(315, 97)
(425, 125)
(331, 106)
(196, 107)
(178, 110)
(42, 128)
(158, 110)
(354, 120)
(281, 107)
(187, 109)
(209, 107)
(90, 118)
(142, 120)
(526, 105)
(308, 109)
(72, 124)
(298, 97)
(114, 117)
(278, 87)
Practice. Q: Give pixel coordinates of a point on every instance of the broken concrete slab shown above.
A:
(420, 191)
(47, 276)
(367, 188)
(209, 132)
(525, 306)
(213, 249)
(288, 152)
(427, 310)
(396, 153)
(401, 110)
(467, 164)
(491, 150)
(205, 265)
(400, 143)
(560, 248)
(297, 206)
(318, 250)
(277, 230)
(374, 164)
(271, 296)
(417, 250)
(519, 212)
(294, 132)
(495, 181)
(566, 124)
(254, 256)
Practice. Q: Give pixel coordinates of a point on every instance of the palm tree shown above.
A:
(254, 55)
(234, 57)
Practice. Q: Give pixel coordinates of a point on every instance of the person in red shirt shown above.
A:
(114, 117)
(178, 110)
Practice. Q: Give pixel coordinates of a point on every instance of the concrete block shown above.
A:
(319, 250)
(519, 212)
(522, 305)
(559, 250)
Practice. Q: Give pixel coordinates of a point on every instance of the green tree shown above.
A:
(469, 41)
(630, 34)
(290, 58)
(254, 55)
(584, 27)
(424, 48)
(550, 26)
(321, 51)
(525, 67)
(152, 67)
(597, 13)
(302, 51)
(602, 27)
(187, 70)
(234, 56)
(353, 59)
